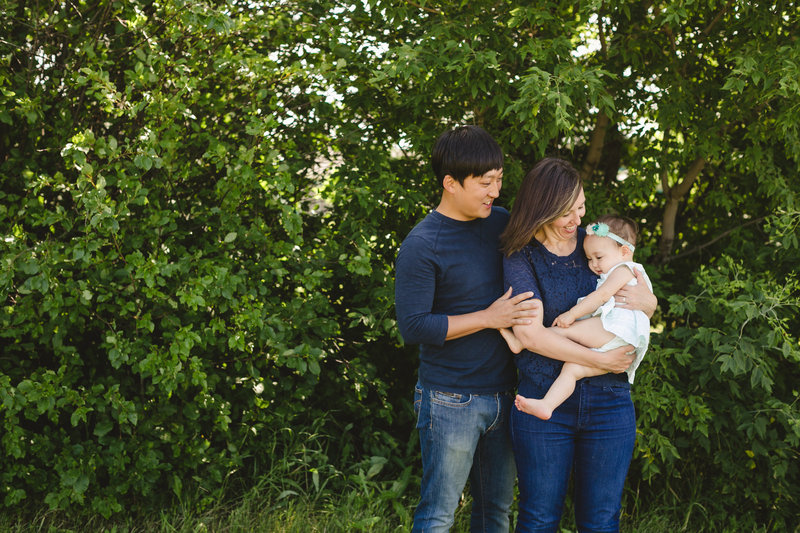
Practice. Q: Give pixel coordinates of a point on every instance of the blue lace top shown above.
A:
(558, 281)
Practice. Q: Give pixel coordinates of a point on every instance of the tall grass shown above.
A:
(259, 512)
(301, 489)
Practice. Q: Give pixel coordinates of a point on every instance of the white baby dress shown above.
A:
(631, 326)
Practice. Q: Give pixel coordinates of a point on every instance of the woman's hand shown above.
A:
(637, 297)
(618, 360)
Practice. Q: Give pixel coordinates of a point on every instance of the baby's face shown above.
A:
(603, 253)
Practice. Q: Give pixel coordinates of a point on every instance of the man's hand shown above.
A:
(509, 311)
(504, 312)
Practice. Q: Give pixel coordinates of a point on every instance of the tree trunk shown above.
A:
(674, 196)
(595, 145)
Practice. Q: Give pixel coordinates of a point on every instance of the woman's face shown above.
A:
(566, 226)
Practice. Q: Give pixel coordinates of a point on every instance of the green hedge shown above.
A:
(175, 281)
(201, 205)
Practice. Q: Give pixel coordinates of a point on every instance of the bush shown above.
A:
(201, 204)
(718, 411)
(176, 282)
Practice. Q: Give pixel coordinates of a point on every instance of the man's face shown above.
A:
(474, 198)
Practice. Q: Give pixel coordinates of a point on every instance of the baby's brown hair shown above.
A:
(624, 227)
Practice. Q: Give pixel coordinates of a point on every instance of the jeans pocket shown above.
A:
(450, 399)
(617, 392)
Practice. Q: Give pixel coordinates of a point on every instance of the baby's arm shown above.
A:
(616, 280)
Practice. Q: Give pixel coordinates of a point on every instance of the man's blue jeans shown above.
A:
(591, 435)
(464, 436)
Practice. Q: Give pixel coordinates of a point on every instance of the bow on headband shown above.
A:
(601, 230)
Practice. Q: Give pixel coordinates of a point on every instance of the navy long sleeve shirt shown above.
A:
(449, 267)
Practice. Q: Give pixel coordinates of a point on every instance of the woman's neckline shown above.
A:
(559, 253)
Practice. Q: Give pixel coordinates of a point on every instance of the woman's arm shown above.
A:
(539, 339)
(518, 272)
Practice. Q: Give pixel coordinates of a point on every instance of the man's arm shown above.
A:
(415, 286)
(504, 312)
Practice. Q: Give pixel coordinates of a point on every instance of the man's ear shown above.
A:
(449, 183)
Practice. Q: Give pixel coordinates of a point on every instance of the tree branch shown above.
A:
(428, 9)
(682, 188)
(674, 195)
(665, 169)
(601, 31)
(712, 241)
(714, 22)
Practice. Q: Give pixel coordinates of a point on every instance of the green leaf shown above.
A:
(103, 427)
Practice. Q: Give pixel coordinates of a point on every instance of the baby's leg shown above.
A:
(589, 332)
(513, 342)
(560, 390)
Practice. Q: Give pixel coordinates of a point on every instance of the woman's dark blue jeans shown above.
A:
(591, 434)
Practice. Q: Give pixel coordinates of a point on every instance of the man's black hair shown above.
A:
(465, 151)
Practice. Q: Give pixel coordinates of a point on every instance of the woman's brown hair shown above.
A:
(547, 192)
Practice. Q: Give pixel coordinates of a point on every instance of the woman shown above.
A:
(593, 432)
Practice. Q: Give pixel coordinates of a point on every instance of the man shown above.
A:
(449, 275)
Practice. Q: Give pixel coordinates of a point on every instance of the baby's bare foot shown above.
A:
(513, 342)
(537, 408)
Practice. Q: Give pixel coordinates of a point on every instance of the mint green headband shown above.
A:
(601, 230)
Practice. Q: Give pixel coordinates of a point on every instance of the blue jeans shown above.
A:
(591, 434)
(464, 436)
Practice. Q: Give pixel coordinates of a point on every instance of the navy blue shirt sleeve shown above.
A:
(415, 287)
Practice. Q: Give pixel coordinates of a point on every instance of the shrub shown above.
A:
(718, 411)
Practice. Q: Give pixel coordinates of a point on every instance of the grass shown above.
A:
(349, 511)
(253, 514)
(355, 506)
(300, 491)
